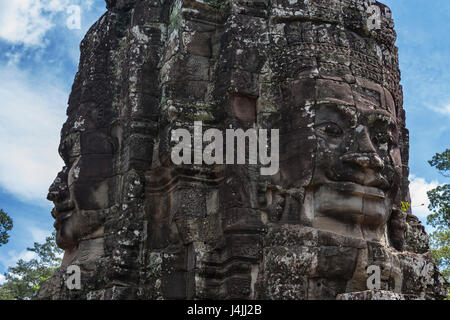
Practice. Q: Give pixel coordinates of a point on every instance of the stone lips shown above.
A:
(143, 228)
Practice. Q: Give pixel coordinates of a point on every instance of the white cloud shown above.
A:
(31, 116)
(12, 257)
(2, 279)
(27, 21)
(445, 110)
(419, 199)
(38, 235)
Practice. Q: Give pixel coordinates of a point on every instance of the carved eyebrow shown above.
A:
(348, 113)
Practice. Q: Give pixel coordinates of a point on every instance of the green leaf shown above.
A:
(6, 224)
(442, 162)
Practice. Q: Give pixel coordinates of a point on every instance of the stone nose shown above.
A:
(365, 154)
(363, 140)
(365, 160)
(58, 190)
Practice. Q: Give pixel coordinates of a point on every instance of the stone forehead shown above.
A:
(357, 92)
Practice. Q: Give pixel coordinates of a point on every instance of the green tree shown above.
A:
(6, 225)
(442, 162)
(23, 280)
(440, 216)
(440, 242)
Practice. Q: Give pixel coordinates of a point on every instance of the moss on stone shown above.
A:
(221, 6)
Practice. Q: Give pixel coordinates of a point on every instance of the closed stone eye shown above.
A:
(330, 129)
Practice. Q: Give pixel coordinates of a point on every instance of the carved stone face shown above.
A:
(358, 165)
(226, 232)
(81, 190)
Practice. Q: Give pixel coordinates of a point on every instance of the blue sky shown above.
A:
(39, 58)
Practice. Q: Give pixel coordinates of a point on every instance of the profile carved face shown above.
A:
(358, 165)
(81, 191)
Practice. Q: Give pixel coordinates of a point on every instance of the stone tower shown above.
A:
(324, 73)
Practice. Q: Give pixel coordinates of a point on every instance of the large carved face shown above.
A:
(358, 164)
(82, 189)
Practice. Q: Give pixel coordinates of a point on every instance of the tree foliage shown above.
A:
(6, 225)
(440, 241)
(442, 162)
(24, 279)
(440, 207)
(440, 216)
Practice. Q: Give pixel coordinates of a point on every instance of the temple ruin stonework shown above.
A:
(324, 73)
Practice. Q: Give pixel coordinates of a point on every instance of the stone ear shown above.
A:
(397, 229)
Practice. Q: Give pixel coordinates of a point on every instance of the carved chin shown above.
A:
(65, 238)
